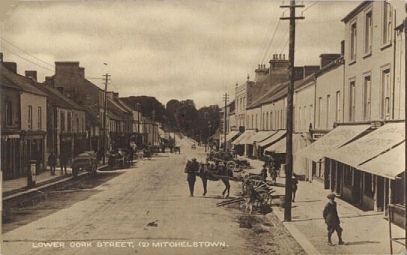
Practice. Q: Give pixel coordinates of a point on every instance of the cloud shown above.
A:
(168, 49)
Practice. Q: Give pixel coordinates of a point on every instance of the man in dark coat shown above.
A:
(331, 217)
(203, 173)
(191, 170)
(52, 162)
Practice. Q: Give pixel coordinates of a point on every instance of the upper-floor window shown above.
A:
(62, 121)
(30, 117)
(386, 94)
(69, 122)
(267, 121)
(299, 123)
(367, 98)
(337, 106)
(271, 121)
(9, 113)
(352, 100)
(328, 110)
(319, 112)
(387, 22)
(77, 124)
(39, 118)
(368, 32)
(353, 41)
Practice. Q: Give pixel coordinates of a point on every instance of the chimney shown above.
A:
(1, 57)
(82, 72)
(12, 66)
(343, 48)
(326, 59)
(31, 74)
(115, 95)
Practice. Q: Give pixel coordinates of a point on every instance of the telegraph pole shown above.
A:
(290, 110)
(225, 97)
(405, 118)
(104, 117)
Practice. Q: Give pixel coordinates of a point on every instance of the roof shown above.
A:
(332, 65)
(57, 98)
(365, 148)
(4, 82)
(355, 11)
(24, 83)
(389, 164)
(331, 141)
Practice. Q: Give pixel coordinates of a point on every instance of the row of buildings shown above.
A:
(349, 112)
(64, 115)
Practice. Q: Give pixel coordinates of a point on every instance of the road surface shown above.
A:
(145, 210)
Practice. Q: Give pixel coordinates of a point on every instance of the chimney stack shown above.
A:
(1, 57)
(12, 66)
(82, 72)
(31, 74)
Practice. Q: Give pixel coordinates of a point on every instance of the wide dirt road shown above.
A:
(146, 206)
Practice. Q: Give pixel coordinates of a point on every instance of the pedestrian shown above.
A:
(294, 185)
(63, 161)
(192, 169)
(273, 173)
(331, 217)
(203, 173)
(52, 162)
(264, 172)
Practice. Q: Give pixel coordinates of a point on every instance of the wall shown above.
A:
(13, 96)
(400, 76)
(329, 83)
(35, 101)
(253, 118)
(373, 64)
(304, 107)
(277, 110)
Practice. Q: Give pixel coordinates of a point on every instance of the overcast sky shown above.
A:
(168, 49)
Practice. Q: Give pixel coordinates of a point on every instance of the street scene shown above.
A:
(215, 127)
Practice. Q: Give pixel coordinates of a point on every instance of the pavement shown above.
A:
(364, 232)
(144, 210)
(20, 184)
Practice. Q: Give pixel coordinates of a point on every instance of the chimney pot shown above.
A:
(31, 74)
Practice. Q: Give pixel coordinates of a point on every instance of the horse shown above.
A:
(215, 173)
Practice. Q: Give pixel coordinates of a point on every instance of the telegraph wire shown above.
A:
(25, 52)
(26, 59)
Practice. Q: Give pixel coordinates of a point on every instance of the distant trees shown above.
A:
(179, 115)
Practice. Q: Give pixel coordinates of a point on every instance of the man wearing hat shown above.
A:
(192, 169)
(331, 217)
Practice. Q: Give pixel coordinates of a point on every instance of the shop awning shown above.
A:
(331, 141)
(278, 147)
(231, 135)
(261, 136)
(272, 138)
(245, 136)
(389, 164)
(370, 145)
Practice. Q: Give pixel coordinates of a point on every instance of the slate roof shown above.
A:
(24, 83)
(58, 99)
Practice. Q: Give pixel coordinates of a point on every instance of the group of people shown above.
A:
(63, 161)
(193, 169)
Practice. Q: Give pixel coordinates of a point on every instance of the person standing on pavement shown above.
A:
(52, 162)
(264, 172)
(331, 217)
(63, 160)
(192, 169)
(294, 188)
(203, 173)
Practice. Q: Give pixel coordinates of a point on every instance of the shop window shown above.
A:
(9, 114)
(369, 185)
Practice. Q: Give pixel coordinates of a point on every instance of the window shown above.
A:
(353, 42)
(319, 112)
(387, 22)
(352, 101)
(386, 92)
(367, 98)
(368, 32)
(267, 121)
(256, 121)
(328, 110)
(299, 119)
(337, 106)
(69, 122)
(62, 121)
(30, 117)
(77, 124)
(9, 114)
(39, 118)
(369, 184)
(310, 114)
(271, 121)
(252, 126)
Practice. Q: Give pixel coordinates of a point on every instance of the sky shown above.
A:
(174, 49)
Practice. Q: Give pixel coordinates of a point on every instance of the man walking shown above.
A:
(203, 173)
(331, 217)
(52, 161)
(191, 170)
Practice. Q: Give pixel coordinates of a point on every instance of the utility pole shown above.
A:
(290, 110)
(104, 117)
(225, 97)
(405, 118)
